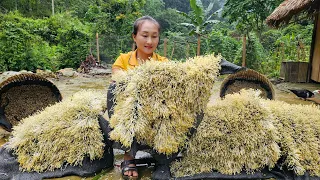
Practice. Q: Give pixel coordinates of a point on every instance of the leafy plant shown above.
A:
(249, 15)
(19, 48)
(199, 18)
(57, 42)
(220, 42)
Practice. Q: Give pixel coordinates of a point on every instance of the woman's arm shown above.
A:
(316, 100)
(115, 70)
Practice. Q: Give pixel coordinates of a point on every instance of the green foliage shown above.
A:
(19, 48)
(29, 8)
(113, 21)
(156, 9)
(114, 16)
(153, 7)
(65, 39)
(220, 42)
(291, 43)
(75, 43)
(180, 5)
(56, 42)
(184, 6)
(72, 38)
(172, 23)
(249, 14)
(269, 38)
(288, 47)
(255, 53)
(303, 32)
(294, 43)
(43, 8)
(177, 46)
(199, 17)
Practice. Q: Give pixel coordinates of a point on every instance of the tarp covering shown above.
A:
(264, 174)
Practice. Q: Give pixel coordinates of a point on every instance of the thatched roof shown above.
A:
(287, 9)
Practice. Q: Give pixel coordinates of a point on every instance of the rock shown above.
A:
(276, 80)
(25, 71)
(68, 72)
(46, 73)
(3, 133)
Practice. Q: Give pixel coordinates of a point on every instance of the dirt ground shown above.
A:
(69, 86)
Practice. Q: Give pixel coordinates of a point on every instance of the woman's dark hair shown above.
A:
(141, 20)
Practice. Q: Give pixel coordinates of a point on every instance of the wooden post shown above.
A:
(199, 44)
(98, 55)
(165, 47)
(298, 51)
(282, 52)
(174, 44)
(187, 50)
(52, 3)
(303, 52)
(244, 41)
(315, 72)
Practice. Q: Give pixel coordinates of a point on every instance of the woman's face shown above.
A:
(146, 39)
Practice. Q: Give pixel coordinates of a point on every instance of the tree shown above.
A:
(249, 15)
(43, 8)
(200, 19)
(153, 8)
(180, 5)
(113, 21)
(184, 6)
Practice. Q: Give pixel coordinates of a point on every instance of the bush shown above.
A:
(20, 49)
(227, 46)
(57, 42)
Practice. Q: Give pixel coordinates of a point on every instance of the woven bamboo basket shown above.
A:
(246, 79)
(21, 95)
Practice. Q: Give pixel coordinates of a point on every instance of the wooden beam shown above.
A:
(315, 51)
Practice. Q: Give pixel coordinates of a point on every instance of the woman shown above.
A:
(145, 34)
(146, 31)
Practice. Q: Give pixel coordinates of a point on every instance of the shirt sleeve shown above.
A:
(118, 63)
(162, 58)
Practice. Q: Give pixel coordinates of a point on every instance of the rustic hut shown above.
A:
(285, 12)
